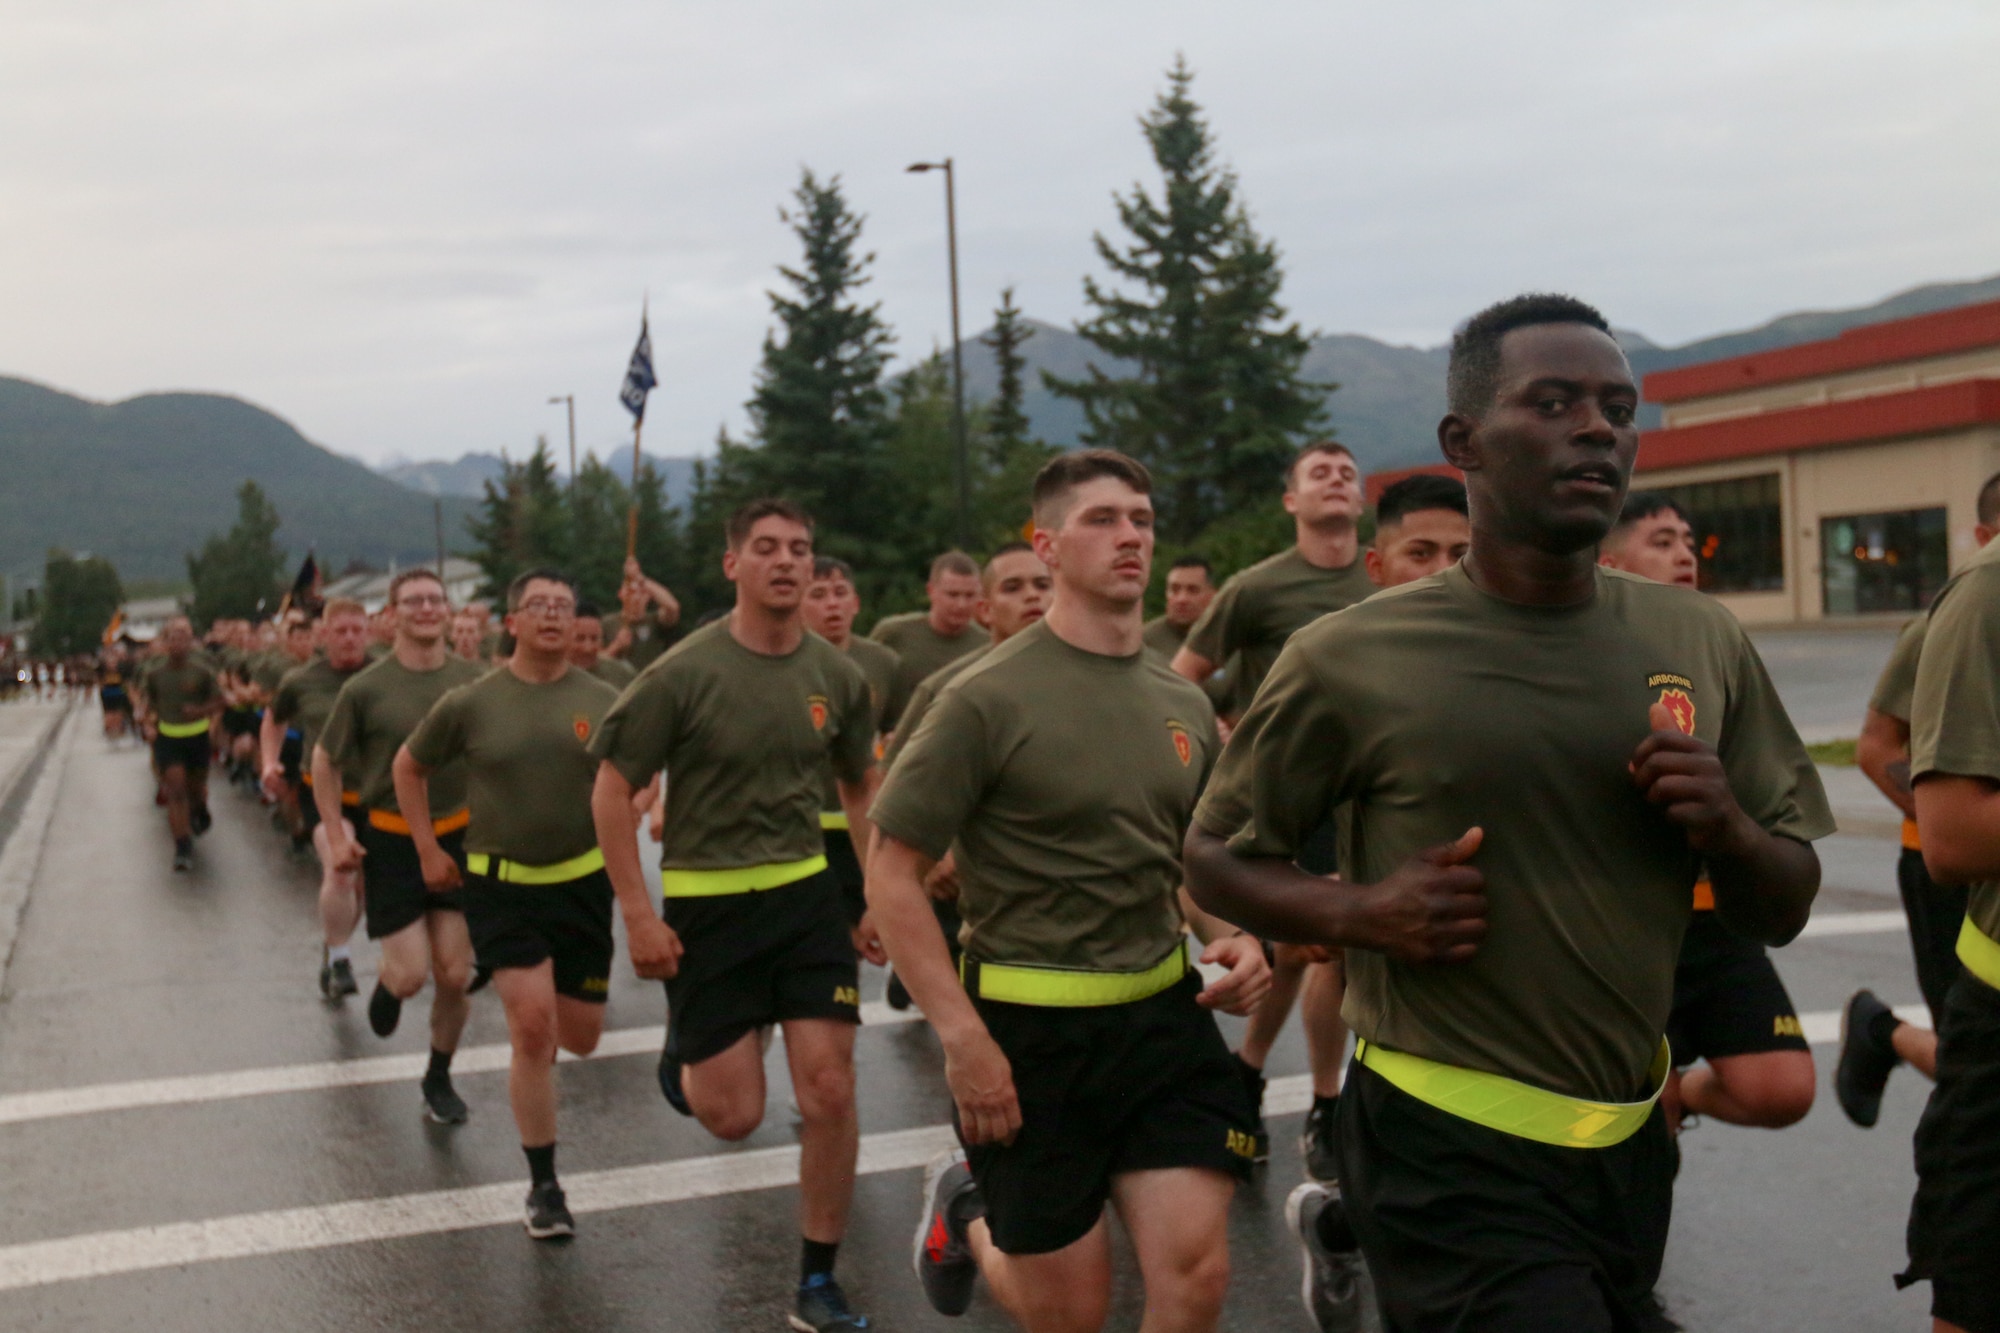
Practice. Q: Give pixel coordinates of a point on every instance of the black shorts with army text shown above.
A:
(1105, 1091)
(567, 924)
(1954, 1231)
(1467, 1227)
(392, 878)
(1728, 999)
(752, 959)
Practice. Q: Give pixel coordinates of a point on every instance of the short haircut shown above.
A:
(1006, 548)
(591, 609)
(1473, 378)
(542, 574)
(1065, 472)
(1316, 447)
(831, 567)
(343, 606)
(411, 576)
(1988, 511)
(1642, 505)
(954, 562)
(1413, 495)
(750, 515)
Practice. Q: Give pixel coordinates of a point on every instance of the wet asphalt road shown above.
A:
(125, 971)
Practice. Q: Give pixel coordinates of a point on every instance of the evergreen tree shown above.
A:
(1010, 454)
(238, 575)
(79, 596)
(1218, 403)
(524, 520)
(819, 413)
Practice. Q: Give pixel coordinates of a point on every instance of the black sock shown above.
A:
(1334, 1232)
(816, 1257)
(1325, 1106)
(440, 1066)
(541, 1163)
(1882, 1029)
(184, 844)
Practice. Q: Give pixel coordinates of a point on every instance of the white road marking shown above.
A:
(89, 1100)
(109, 1253)
(1853, 923)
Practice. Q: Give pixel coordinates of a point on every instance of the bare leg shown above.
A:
(1918, 1048)
(528, 994)
(1268, 1019)
(339, 894)
(1179, 1222)
(726, 1091)
(174, 782)
(821, 1054)
(1769, 1090)
(1326, 1034)
(451, 971)
(1063, 1291)
(406, 960)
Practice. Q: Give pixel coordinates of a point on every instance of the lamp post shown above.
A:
(959, 461)
(569, 400)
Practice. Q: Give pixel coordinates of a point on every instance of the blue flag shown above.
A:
(639, 379)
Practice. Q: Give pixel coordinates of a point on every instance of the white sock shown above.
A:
(337, 953)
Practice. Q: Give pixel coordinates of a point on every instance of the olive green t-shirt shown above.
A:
(1065, 779)
(1955, 714)
(1262, 606)
(528, 766)
(1894, 691)
(375, 712)
(1165, 638)
(269, 669)
(920, 650)
(923, 697)
(304, 699)
(613, 672)
(878, 664)
(1433, 708)
(182, 694)
(745, 740)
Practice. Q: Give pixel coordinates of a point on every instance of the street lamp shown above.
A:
(569, 399)
(957, 357)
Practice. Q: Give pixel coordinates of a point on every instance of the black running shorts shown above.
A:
(1145, 1086)
(845, 867)
(113, 699)
(1728, 999)
(1954, 1233)
(1936, 912)
(519, 925)
(392, 878)
(188, 752)
(1466, 1227)
(291, 757)
(749, 959)
(239, 721)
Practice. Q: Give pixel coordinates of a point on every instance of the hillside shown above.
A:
(468, 474)
(1390, 397)
(146, 480)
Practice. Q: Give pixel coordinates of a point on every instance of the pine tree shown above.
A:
(1007, 430)
(1217, 404)
(237, 575)
(79, 595)
(524, 520)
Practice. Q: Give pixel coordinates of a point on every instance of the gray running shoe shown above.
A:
(1338, 1293)
(822, 1308)
(548, 1213)
(1316, 1143)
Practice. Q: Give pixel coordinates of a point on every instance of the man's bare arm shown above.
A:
(1959, 821)
(1883, 753)
(1192, 665)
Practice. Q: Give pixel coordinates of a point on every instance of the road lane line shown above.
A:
(92, 1099)
(1853, 923)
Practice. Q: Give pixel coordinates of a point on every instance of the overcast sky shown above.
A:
(403, 226)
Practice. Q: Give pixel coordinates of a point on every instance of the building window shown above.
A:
(1739, 532)
(1883, 562)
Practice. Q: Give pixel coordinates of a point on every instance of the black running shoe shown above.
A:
(1865, 1060)
(343, 980)
(1338, 1293)
(325, 976)
(548, 1213)
(384, 1010)
(670, 1073)
(200, 820)
(184, 855)
(1316, 1142)
(896, 993)
(442, 1104)
(941, 1252)
(822, 1308)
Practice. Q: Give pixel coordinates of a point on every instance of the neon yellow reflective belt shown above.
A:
(1980, 953)
(833, 819)
(1515, 1108)
(1069, 988)
(519, 872)
(182, 730)
(743, 879)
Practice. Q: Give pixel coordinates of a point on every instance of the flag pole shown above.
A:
(632, 514)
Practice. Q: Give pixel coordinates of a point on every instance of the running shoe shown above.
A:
(385, 1010)
(670, 1073)
(1338, 1293)
(548, 1213)
(1865, 1059)
(442, 1104)
(183, 857)
(942, 1250)
(200, 820)
(822, 1308)
(342, 980)
(896, 993)
(1316, 1142)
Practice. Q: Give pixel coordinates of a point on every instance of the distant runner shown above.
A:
(183, 698)
(586, 650)
(927, 640)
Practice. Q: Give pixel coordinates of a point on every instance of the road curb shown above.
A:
(26, 807)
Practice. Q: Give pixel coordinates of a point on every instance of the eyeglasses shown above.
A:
(546, 606)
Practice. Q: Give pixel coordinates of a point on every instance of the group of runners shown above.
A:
(1498, 791)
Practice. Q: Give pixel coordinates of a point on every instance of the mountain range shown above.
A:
(468, 474)
(146, 480)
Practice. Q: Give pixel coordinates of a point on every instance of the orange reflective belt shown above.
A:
(346, 797)
(1911, 841)
(388, 821)
(1704, 895)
